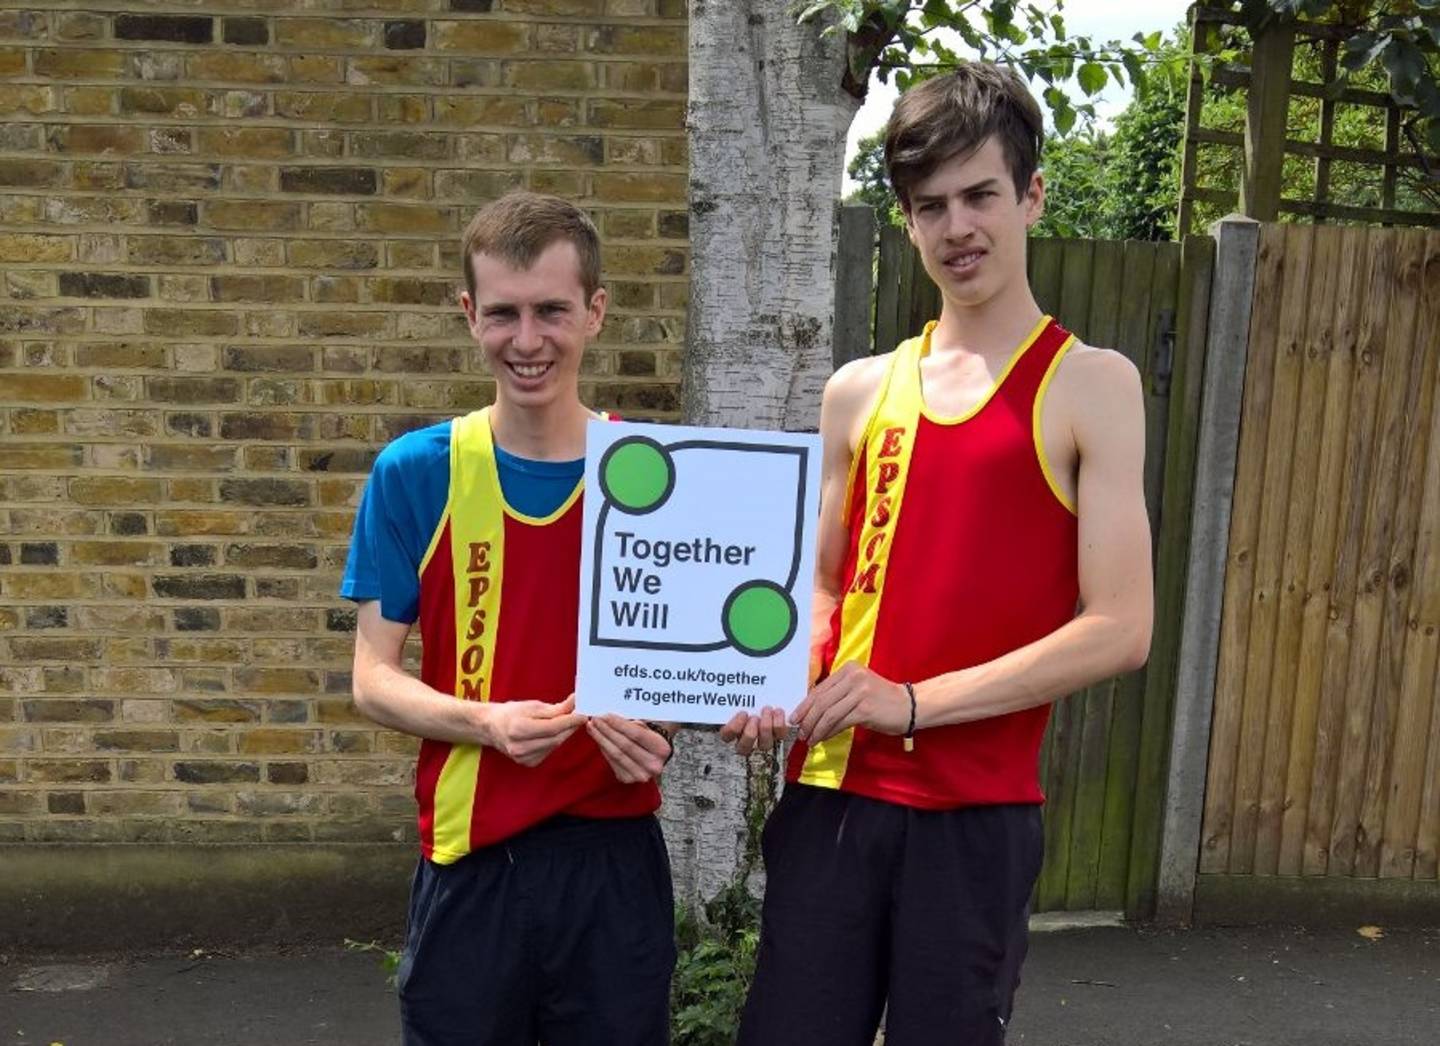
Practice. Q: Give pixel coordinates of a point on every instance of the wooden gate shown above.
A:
(1324, 757)
(1103, 763)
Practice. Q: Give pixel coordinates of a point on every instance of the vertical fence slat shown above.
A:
(1417, 632)
(1361, 684)
(1372, 323)
(887, 290)
(1102, 318)
(854, 285)
(1309, 347)
(1398, 563)
(1273, 498)
(1138, 301)
(1219, 816)
(1044, 259)
(1325, 503)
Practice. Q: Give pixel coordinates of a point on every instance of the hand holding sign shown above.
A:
(696, 571)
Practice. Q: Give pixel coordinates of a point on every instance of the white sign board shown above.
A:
(696, 571)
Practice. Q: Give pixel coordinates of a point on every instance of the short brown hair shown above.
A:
(954, 114)
(518, 227)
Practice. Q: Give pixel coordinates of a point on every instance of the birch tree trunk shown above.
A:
(767, 123)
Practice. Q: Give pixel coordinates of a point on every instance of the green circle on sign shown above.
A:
(759, 618)
(637, 475)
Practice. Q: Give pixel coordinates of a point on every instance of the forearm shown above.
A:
(1087, 649)
(393, 698)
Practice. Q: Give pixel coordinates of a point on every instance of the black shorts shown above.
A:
(871, 907)
(564, 934)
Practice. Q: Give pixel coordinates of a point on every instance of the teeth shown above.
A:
(530, 370)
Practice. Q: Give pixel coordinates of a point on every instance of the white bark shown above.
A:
(767, 123)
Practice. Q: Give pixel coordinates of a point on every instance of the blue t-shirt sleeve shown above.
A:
(403, 503)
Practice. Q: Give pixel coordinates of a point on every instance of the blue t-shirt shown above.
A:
(404, 501)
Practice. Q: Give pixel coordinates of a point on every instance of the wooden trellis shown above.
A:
(1269, 84)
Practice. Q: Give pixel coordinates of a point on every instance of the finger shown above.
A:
(638, 734)
(778, 729)
(731, 730)
(533, 751)
(765, 730)
(836, 718)
(750, 737)
(531, 728)
(625, 768)
(812, 708)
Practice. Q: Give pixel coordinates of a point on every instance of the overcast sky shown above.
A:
(1099, 19)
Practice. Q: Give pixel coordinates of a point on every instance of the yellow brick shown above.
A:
(195, 523)
(43, 388)
(478, 110)
(640, 188)
(479, 36)
(316, 69)
(279, 742)
(324, 32)
(51, 585)
(237, 67)
(116, 553)
(70, 64)
(26, 98)
(30, 248)
(89, 101)
(550, 76)
(246, 142)
(389, 217)
(114, 490)
(252, 214)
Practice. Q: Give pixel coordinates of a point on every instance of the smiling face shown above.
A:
(969, 227)
(533, 324)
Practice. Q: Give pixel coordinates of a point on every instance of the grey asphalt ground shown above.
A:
(1091, 987)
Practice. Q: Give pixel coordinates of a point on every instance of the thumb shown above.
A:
(562, 708)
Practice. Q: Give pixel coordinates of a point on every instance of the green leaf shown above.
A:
(1362, 49)
(1406, 65)
(1092, 77)
(814, 10)
(1064, 120)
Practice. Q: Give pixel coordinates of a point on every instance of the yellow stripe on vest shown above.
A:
(889, 441)
(477, 550)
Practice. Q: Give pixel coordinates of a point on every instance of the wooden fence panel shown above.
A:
(1325, 740)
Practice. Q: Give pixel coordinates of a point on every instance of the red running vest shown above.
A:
(499, 608)
(962, 548)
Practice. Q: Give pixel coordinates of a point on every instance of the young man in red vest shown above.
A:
(979, 484)
(541, 908)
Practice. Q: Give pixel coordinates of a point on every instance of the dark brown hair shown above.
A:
(518, 227)
(954, 114)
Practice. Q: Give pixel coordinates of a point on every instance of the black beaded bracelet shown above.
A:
(910, 730)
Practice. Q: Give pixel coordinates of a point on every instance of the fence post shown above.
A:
(1237, 241)
(1265, 119)
(854, 283)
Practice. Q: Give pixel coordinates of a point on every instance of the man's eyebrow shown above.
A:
(988, 183)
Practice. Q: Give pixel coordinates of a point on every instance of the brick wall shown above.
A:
(228, 244)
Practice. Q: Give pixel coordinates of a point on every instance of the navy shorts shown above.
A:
(871, 907)
(563, 935)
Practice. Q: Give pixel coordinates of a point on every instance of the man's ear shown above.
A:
(595, 314)
(467, 304)
(1035, 199)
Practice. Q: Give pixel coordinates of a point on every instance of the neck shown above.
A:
(993, 327)
(552, 432)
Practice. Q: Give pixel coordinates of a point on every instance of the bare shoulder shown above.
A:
(1092, 381)
(850, 393)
